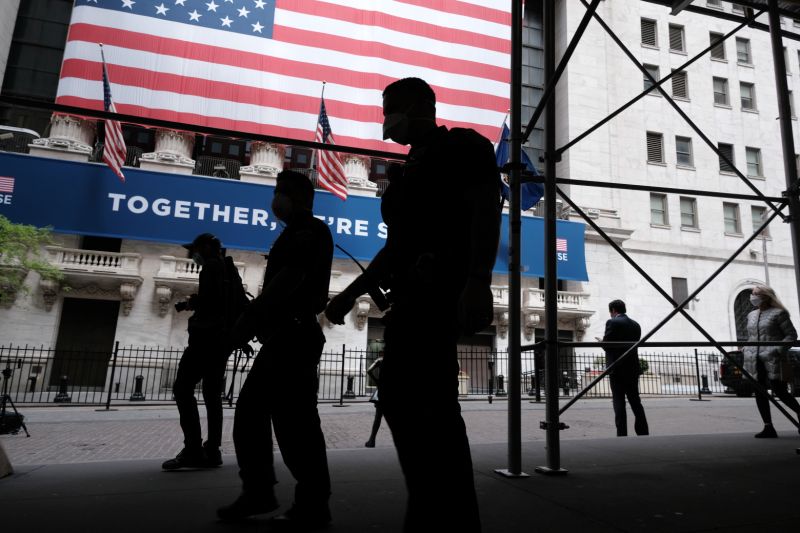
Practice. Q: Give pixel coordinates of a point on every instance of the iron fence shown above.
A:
(126, 375)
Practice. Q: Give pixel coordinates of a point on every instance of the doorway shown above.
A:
(85, 341)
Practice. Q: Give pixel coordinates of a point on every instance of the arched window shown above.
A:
(741, 308)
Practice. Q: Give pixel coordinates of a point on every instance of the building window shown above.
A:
(738, 9)
(688, 212)
(680, 85)
(721, 91)
(676, 38)
(658, 209)
(655, 147)
(732, 222)
(786, 60)
(743, 51)
(714, 3)
(747, 94)
(753, 162)
(680, 290)
(727, 151)
(653, 71)
(759, 215)
(649, 33)
(718, 52)
(791, 104)
(683, 151)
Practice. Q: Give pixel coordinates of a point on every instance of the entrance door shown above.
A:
(85, 341)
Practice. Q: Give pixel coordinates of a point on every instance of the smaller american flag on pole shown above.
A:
(6, 184)
(114, 150)
(330, 171)
(561, 245)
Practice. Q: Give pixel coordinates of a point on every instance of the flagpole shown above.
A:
(314, 137)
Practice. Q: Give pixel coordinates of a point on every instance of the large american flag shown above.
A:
(330, 171)
(257, 65)
(114, 149)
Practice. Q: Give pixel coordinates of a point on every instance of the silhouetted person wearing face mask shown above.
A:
(442, 210)
(625, 376)
(280, 392)
(204, 359)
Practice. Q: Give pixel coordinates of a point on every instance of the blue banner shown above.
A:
(85, 198)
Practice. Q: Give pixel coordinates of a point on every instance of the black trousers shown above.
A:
(778, 388)
(280, 394)
(622, 386)
(204, 359)
(428, 430)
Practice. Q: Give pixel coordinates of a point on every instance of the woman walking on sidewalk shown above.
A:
(769, 321)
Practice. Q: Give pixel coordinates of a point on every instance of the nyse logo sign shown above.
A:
(6, 189)
(561, 250)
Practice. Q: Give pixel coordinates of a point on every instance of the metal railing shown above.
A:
(126, 375)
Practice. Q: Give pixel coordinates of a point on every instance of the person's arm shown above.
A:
(376, 272)
(787, 329)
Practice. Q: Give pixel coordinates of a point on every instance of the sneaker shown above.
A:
(186, 458)
(248, 504)
(212, 455)
(767, 433)
(299, 519)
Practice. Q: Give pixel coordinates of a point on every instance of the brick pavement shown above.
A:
(82, 434)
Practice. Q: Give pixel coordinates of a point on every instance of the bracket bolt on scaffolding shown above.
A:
(561, 425)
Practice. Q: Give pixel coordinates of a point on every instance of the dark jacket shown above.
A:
(618, 329)
(209, 302)
(296, 279)
(447, 192)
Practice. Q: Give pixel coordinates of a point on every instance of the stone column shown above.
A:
(266, 160)
(172, 153)
(356, 168)
(71, 138)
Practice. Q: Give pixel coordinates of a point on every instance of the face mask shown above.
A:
(756, 300)
(282, 206)
(197, 258)
(395, 127)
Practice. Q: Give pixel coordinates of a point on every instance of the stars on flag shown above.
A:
(162, 9)
(226, 21)
(180, 3)
(257, 27)
(194, 15)
(260, 4)
(128, 4)
(243, 12)
(212, 6)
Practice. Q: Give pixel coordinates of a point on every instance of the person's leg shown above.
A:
(618, 401)
(213, 374)
(189, 374)
(762, 402)
(640, 420)
(430, 438)
(782, 392)
(376, 425)
(252, 440)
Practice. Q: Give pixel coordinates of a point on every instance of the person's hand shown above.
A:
(340, 305)
(475, 307)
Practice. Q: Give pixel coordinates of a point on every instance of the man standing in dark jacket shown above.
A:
(442, 211)
(625, 374)
(280, 392)
(204, 358)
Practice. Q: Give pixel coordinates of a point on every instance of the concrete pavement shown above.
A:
(701, 471)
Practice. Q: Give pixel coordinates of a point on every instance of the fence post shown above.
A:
(341, 381)
(697, 374)
(111, 378)
(63, 396)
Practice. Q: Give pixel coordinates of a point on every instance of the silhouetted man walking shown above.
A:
(442, 210)
(625, 376)
(204, 359)
(280, 392)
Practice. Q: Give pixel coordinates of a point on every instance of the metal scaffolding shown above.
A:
(753, 10)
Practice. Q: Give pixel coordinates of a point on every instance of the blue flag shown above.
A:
(530, 192)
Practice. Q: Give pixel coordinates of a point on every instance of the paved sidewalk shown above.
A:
(675, 484)
(82, 434)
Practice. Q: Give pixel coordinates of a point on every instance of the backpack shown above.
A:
(236, 298)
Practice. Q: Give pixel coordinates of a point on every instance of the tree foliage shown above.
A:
(20, 252)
